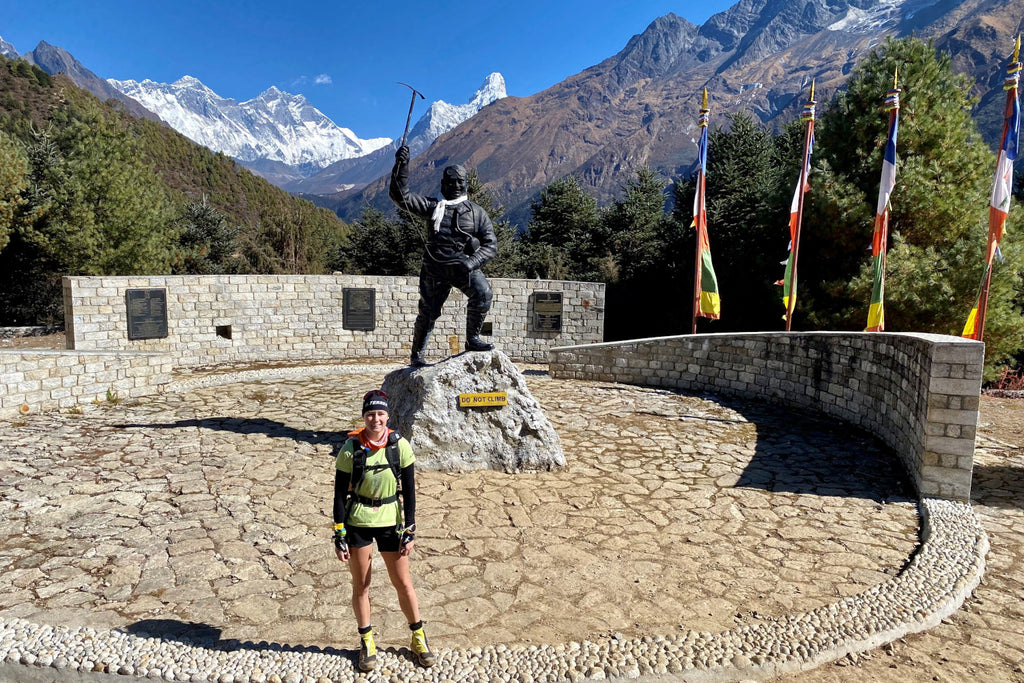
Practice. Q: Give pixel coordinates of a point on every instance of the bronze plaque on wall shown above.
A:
(547, 312)
(147, 313)
(358, 309)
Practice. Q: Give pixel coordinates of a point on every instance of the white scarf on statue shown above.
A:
(438, 214)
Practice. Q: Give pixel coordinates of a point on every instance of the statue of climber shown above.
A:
(460, 240)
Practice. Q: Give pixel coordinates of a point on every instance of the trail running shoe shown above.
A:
(367, 653)
(421, 650)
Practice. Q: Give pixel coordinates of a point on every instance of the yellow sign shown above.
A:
(495, 398)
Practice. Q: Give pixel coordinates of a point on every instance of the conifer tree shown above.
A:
(635, 223)
(378, 245)
(13, 185)
(206, 243)
(564, 236)
(101, 209)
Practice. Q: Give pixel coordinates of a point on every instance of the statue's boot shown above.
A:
(420, 334)
(475, 323)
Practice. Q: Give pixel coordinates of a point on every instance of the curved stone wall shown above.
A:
(919, 393)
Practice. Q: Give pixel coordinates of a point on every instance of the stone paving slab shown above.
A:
(204, 515)
(984, 640)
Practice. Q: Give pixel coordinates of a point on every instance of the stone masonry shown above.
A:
(37, 380)
(300, 317)
(919, 393)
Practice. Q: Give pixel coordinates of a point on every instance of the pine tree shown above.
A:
(635, 222)
(649, 290)
(564, 236)
(378, 245)
(101, 209)
(206, 243)
(13, 185)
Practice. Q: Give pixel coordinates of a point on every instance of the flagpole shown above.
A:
(791, 304)
(880, 238)
(1013, 69)
(699, 210)
(983, 303)
(696, 264)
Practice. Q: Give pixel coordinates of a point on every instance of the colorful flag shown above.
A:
(880, 239)
(705, 287)
(796, 211)
(1002, 189)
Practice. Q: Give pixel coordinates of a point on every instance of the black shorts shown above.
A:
(362, 536)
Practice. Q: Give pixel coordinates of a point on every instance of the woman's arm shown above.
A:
(341, 481)
(409, 494)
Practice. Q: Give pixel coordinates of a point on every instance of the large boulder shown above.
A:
(424, 407)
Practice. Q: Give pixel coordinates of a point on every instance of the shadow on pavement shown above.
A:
(251, 425)
(204, 635)
(1000, 486)
(805, 453)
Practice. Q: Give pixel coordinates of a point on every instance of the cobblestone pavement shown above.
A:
(984, 640)
(208, 512)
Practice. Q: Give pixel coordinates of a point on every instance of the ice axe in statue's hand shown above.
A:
(408, 118)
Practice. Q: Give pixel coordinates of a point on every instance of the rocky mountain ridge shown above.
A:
(277, 135)
(274, 126)
(56, 60)
(639, 107)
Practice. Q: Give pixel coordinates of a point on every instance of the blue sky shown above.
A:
(345, 57)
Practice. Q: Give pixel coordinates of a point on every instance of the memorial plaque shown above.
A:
(358, 309)
(147, 313)
(547, 312)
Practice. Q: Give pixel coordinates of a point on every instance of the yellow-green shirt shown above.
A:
(376, 483)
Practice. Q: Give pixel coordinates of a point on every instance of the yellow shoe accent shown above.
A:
(421, 650)
(367, 653)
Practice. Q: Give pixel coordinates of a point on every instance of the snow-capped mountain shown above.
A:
(275, 126)
(284, 138)
(7, 50)
(442, 117)
(346, 174)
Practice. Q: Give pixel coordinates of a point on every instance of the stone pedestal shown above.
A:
(424, 407)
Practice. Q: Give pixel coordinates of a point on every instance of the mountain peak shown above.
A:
(8, 50)
(493, 88)
(185, 81)
(275, 94)
(655, 52)
(442, 116)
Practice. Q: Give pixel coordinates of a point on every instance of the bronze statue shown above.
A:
(460, 240)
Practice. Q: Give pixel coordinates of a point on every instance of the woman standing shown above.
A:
(369, 468)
